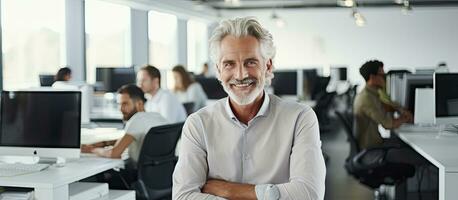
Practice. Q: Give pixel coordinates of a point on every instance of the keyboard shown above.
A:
(15, 169)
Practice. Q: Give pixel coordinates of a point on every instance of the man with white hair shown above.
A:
(250, 145)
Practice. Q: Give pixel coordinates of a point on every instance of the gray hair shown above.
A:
(241, 27)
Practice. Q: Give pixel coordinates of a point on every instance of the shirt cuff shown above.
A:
(267, 192)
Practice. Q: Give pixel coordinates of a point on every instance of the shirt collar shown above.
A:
(262, 111)
(156, 96)
(372, 90)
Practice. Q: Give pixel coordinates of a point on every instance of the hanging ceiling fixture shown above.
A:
(278, 20)
(359, 18)
(406, 8)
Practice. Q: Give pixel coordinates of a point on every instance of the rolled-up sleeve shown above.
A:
(191, 170)
(307, 167)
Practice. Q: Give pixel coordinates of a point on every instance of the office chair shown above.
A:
(319, 86)
(157, 161)
(212, 87)
(323, 106)
(189, 107)
(369, 166)
(46, 80)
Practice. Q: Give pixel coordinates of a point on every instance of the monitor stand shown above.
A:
(57, 161)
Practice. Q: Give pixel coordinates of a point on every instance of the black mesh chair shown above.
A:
(189, 107)
(157, 161)
(370, 166)
(46, 80)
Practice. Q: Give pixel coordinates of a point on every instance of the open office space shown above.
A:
(228, 99)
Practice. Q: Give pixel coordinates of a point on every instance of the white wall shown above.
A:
(317, 37)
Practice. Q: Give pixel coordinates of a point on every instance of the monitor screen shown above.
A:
(285, 82)
(414, 81)
(40, 119)
(112, 78)
(339, 73)
(446, 91)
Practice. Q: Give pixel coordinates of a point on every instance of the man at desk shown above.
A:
(139, 122)
(250, 145)
(159, 100)
(370, 109)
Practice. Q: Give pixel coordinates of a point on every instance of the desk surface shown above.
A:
(54, 177)
(439, 148)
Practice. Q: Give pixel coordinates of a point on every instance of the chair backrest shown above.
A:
(157, 156)
(324, 101)
(347, 121)
(46, 80)
(212, 87)
(189, 107)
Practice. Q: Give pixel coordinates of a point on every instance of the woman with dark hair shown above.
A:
(64, 74)
(186, 89)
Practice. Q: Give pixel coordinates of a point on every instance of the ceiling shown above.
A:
(269, 4)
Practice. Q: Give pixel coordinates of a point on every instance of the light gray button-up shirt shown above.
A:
(280, 146)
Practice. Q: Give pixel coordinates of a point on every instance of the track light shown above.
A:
(346, 3)
(232, 2)
(359, 18)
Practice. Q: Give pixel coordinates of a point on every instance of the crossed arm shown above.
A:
(307, 170)
(229, 190)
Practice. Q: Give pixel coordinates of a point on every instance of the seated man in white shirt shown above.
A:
(138, 124)
(250, 145)
(159, 100)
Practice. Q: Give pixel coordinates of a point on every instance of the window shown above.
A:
(163, 40)
(107, 36)
(33, 40)
(197, 45)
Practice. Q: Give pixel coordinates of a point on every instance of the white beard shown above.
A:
(248, 98)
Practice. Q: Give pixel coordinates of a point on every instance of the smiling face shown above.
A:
(242, 69)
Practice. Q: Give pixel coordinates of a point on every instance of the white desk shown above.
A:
(441, 150)
(53, 183)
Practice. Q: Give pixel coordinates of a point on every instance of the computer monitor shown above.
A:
(212, 87)
(46, 80)
(339, 73)
(412, 82)
(40, 123)
(87, 93)
(285, 82)
(112, 78)
(446, 94)
(310, 77)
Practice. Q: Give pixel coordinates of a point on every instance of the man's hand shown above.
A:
(407, 116)
(229, 190)
(87, 148)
